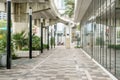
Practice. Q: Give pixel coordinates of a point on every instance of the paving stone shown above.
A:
(56, 64)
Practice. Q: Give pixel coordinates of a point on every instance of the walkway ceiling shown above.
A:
(50, 12)
(80, 9)
(45, 13)
(24, 1)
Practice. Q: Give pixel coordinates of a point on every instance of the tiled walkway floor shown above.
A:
(57, 64)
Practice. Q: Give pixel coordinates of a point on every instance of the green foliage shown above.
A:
(3, 27)
(25, 49)
(78, 27)
(14, 56)
(113, 46)
(45, 46)
(3, 36)
(69, 7)
(78, 47)
(69, 2)
(99, 41)
(3, 43)
(20, 40)
(3, 23)
(36, 43)
(52, 41)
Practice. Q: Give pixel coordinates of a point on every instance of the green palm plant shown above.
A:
(20, 40)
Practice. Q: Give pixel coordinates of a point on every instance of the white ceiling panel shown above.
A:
(24, 1)
(80, 9)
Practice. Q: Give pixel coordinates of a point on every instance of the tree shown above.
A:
(69, 5)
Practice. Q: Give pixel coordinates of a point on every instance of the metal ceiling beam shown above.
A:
(24, 1)
(41, 10)
(80, 9)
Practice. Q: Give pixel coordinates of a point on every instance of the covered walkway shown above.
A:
(99, 36)
(57, 64)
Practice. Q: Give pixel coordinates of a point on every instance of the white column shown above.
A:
(68, 36)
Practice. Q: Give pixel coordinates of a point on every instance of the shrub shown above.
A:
(25, 48)
(36, 43)
(14, 56)
(99, 41)
(113, 46)
(78, 47)
(52, 42)
(45, 46)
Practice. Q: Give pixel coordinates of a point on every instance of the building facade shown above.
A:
(100, 28)
(3, 15)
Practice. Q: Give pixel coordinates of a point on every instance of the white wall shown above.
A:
(2, 7)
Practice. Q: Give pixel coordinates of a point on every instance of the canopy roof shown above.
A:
(80, 9)
(50, 12)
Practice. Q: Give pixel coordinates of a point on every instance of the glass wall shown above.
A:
(117, 24)
(101, 34)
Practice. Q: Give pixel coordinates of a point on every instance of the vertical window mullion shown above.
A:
(100, 32)
(115, 38)
(110, 37)
(106, 34)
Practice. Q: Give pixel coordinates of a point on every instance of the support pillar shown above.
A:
(30, 33)
(51, 38)
(68, 37)
(8, 34)
(48, 38)
(54, 35)
(41, 35)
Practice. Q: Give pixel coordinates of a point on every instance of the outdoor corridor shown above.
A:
(56, 64)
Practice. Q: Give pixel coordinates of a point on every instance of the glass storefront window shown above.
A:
(102, 33)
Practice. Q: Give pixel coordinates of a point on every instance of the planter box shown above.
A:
(26, 53)
(3, 61)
